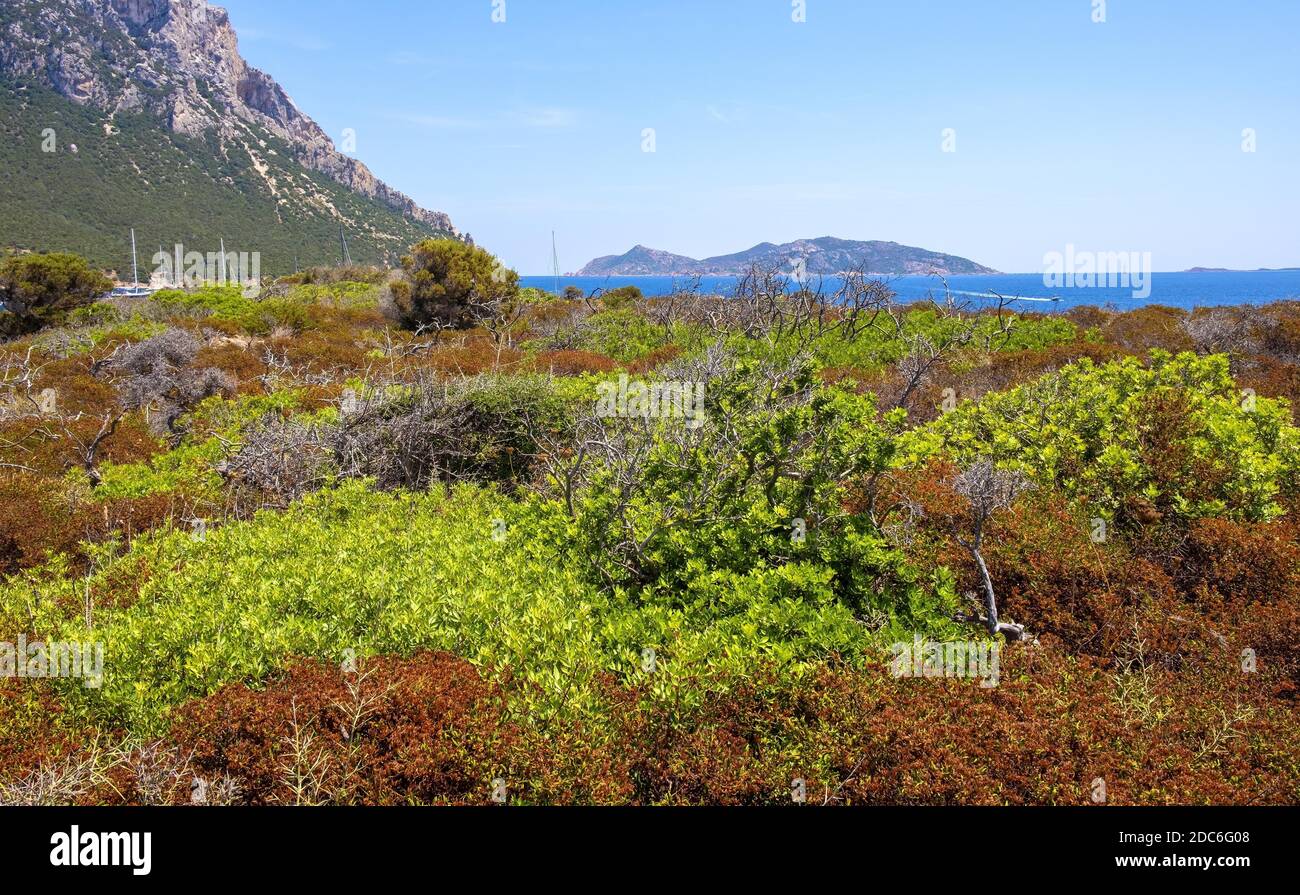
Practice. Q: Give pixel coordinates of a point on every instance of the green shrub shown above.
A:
(229, 303)
(187, 470)
(622, 298)
(874, 348)
(452, 283)
(346, 295)
(97, 314)
(496, 581)
(623, 334)
(343, 570)
(503, 413)
(738, 524)
(1175, 436)
(332, 276)
(36, 290)
(480, 429)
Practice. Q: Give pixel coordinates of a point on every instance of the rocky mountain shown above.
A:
(826, 256)
(175, 65)
(640, 261)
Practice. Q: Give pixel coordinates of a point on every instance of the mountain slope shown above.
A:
(177, 136)
(826, 256)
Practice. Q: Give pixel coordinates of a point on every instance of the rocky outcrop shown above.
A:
(178, 60)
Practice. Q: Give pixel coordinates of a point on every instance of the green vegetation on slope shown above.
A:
(131, 171)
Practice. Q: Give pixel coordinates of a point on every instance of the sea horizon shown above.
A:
(1180, 289)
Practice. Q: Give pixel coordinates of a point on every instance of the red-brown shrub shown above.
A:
(1239, 564)
(34, 730)
(654, 360)
(39, 520)
(572, 363)
(1154, 326)
(426, 730)
(244, 364)
(1050, 728)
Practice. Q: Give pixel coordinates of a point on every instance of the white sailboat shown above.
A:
(135, 290)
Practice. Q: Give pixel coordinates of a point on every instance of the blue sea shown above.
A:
(1179, 290)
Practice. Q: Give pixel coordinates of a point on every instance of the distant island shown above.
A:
(826, 256)
(1233, 270)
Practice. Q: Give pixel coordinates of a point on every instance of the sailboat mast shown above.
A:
(343, 243)
(135, 267)
(555, 263)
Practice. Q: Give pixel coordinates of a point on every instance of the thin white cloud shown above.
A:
(438, 122)
(535, 118)
(730, 113)
(800, 192)
(547, 117)
(308, 43)
(412, 59)
(536, 65)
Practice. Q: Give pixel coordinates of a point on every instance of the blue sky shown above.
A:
(1125, 135)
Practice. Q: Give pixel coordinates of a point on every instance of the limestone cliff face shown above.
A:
(178, 60)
